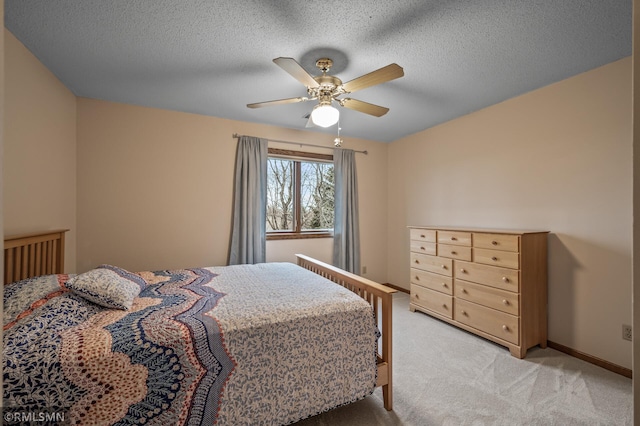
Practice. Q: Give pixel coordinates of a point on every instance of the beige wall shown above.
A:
(39, 168)
(155, 189)
(556, 159)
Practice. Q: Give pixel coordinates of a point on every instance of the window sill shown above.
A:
(297, 236)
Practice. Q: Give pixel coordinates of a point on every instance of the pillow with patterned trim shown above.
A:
(24, 296)
(126, 274)
(108, 286)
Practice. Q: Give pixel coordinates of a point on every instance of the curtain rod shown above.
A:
(235, 135)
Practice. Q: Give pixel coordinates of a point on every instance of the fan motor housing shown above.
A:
(328, 80)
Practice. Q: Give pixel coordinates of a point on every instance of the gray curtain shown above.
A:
(346, 239)
(248, 238)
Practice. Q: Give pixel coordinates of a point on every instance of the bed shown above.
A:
(270, 343)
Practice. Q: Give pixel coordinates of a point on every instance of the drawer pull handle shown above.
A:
(505, 279)
(454, 253)
(417, 278)
(464, 313)
(464, 291)
(416, 261)
(417, 297)
(505, 328)
(453, 238)
(422, 248)
(506, 302)
(495, 243)
(463, 271)
(444, 305)
(444, 266)
(495, 259)
(444, 285)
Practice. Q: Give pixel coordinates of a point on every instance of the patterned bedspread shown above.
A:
(251, 344)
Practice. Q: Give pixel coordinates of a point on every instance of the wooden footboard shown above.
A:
(380, 298)
(31, 255)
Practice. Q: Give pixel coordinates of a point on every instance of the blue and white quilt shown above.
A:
(237, 345)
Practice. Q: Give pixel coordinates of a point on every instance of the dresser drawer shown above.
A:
(454, 252)
(439, 265)
(503, 259)
(436, 282)
(503, 242)
(500, 300)
(423, 247)
(454, 237)
(499, 324)
(503, 278)
(432, 300)
(428, 235)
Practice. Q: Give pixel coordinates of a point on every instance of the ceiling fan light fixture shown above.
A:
(325, 115)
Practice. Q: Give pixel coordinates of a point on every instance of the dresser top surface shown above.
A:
(485, 230)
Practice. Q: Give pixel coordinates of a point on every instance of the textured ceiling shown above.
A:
(214, 57)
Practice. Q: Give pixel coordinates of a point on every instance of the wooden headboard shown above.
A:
(30, 255)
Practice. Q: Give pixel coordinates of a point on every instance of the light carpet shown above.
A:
(446, 376)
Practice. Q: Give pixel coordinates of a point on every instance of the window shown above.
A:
(300, 195)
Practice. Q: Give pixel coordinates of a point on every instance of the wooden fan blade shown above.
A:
(384, 74)
(365, 107)
(295, 69)
(277, 102)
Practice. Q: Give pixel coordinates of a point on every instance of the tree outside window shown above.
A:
(300, 196)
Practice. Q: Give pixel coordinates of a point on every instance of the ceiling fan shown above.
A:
(327, 88)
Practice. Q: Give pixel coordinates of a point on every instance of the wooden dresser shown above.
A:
(490, 282)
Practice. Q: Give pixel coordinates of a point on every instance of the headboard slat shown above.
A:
(30, 255)
(50, 258)
(24, 267)
(8, 264)
(38, 260)
(32, 264)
